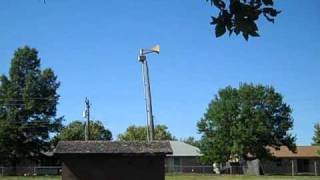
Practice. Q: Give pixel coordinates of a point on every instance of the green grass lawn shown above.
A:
(198, 177)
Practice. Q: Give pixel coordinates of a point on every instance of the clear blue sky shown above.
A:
(93, 46)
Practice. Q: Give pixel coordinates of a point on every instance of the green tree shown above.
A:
(244, 122)
(316, 137)
(241, 16)
(28, 99)
(139, 133)
(192, 141)
(75, 131)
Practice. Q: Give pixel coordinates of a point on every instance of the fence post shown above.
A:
(292, 167)
(315, 168)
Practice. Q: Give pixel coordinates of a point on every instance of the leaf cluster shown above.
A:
(316, 137)
(139, 133)
(240, 16)
(76, 131)
(192, 141)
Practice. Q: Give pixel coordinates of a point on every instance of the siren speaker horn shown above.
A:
(156, 49)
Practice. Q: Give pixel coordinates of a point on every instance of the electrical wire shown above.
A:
(29, 98)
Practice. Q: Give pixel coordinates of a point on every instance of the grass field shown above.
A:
(191, 178)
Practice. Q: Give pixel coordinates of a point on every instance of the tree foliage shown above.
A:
(139, 133)
(28, 99)
(316, 137)
(244, 123)
(75, 131)
(241, 16)
(192, 141)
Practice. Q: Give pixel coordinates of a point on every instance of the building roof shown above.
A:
(183, 149)
(301, 152)
(113, 147)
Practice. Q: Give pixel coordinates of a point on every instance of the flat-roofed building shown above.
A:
(102, 160)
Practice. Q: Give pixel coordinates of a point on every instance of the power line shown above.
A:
(16, 101)
(23, 105)
(32, 98)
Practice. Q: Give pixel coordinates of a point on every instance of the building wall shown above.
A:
(113, 168)
(182, 161)
(284, 166)
(183, 164)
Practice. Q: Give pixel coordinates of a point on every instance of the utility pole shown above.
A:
(148, 99)
(87, 123)
(147, 89)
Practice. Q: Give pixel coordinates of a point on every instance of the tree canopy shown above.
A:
(244, 123)
(139, 133)
(316, 137)
(75, 131)
(28, 99)
(241, 16)
(192, 141)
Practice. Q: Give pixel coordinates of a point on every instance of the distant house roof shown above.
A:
(113, 147)
(183, 149)
(301, 152)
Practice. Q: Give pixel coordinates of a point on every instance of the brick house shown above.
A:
(100, 160)
(305, 161)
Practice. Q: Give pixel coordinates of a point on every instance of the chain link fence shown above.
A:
(236, 170)
(169, 170)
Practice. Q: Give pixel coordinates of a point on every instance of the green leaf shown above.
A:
(230, 32)
(268, 2)
(237, 31)
(214, 20)
(220, 30)
(254, 34)
(219, 3)
(270, 11)
(246, 36)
